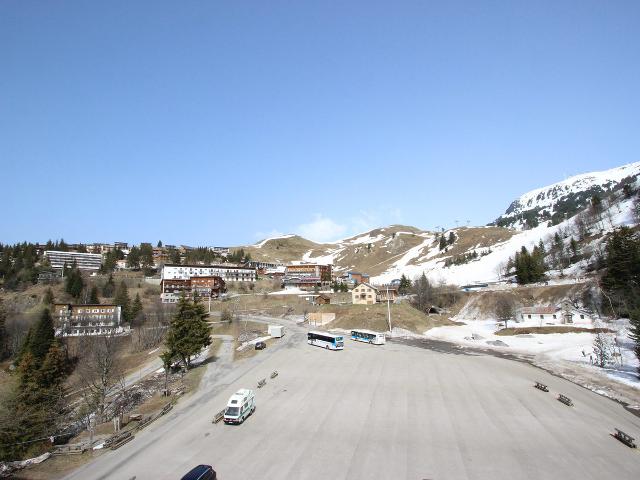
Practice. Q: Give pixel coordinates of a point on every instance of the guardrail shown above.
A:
(117, 441)
(274, 374)
(541, 386)
(566, 400)
(628, 440)
(218, 416)
(262, 383)
(166, 408)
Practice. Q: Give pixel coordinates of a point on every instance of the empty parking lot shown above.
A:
(392, 411)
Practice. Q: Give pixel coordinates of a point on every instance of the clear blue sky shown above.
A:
(222, 122)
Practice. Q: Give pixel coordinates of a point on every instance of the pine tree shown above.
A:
(146, 255)
(159, 245)
(405, 285)
(3, 331)
(48, 298)
(109, 288)
(443, 243)
(74, 284)
(41, 337)
(122, 298)
(188, 331)
(133, 259)
(93, 295)
(452, 238)
(136, 307)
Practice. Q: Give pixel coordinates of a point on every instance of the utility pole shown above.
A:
(388, 310)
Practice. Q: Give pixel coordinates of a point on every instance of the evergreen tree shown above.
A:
(159, 245)
(110, 262)
(133, 259)
(452, 238)
(74, 284)
(41, 337)
(48, 298)
(136, 307)
(109, 288)
(405, 285)
(174, 256)
(443, 243)
(188, 331)
(122, 298)
(3, 331)
(146, 255)
(93, 295)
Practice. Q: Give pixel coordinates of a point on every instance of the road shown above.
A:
(402, 410)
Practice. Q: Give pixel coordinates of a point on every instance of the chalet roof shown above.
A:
(548, 310)
(368, 285)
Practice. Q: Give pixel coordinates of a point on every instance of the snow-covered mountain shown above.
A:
(563, 199)
(477, 254)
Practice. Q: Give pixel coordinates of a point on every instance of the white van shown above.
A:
(240, 406)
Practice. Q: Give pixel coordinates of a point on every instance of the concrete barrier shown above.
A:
(262, 383)
(218, 416)
(541, 386)
(566, 400)
(628, 440)
(75, 449)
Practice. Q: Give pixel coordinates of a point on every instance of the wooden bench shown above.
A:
(541, 386)
(218, 416)
(274, 374)
(628, 440)
(566, 400)
(262, 383)
(166, 408)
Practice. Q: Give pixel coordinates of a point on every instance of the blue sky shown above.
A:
(220, 123)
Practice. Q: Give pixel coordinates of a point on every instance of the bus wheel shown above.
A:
(326, 347)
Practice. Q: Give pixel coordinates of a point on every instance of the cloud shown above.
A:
(321, 229)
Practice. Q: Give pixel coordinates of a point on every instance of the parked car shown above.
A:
(261, 345)
(201, 472)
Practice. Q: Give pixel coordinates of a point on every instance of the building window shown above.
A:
(582, 317)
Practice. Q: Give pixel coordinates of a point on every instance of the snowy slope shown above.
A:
(547, 198)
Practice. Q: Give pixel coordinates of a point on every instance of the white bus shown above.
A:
(368, 336)
(326, 340)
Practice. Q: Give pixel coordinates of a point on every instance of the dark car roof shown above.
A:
(198, 472)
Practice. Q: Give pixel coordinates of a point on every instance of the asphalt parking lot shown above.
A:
(383, 412)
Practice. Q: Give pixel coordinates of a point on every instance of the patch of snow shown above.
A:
(262, 243)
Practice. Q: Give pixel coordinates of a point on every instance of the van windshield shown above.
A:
(232, 411)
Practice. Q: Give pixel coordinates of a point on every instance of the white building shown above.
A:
(84, 261)
(229, 273)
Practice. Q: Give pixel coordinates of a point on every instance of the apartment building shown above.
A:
(205, 287)
(307, 275)
(84, 261)
(79, 320)
(228, 273)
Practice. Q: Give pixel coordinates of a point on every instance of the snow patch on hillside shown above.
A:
(488, 268)
(262, 243)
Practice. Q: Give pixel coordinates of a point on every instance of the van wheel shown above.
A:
(326, 347)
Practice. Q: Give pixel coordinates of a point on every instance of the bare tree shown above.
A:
(100, 372)
(505, 309)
